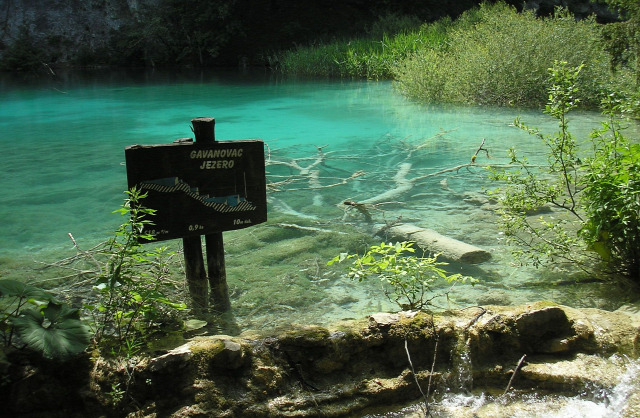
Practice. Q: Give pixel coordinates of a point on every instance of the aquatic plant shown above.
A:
(407, 280)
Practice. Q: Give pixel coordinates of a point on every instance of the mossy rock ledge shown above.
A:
(345, 369)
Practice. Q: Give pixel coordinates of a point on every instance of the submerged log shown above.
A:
(432, 241)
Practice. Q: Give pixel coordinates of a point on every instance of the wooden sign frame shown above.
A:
(200, 187)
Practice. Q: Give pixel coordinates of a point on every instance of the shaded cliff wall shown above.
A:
(64, 27)
(109, 31)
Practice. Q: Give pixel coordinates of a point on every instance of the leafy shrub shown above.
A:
(132, 287)
(622, 39)
(496, 55)
(612, 194)
(592, 194)
(531, 188)
(407, 280)
(391, 24)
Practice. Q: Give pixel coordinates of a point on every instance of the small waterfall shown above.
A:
(617, 402)
(628, 386)
(462, 373)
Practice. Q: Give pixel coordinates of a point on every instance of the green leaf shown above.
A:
(55, 331)
(15, 288)
(601, 249)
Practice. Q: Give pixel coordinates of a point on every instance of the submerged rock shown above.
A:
(353, 366)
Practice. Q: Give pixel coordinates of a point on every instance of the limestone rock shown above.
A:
(383, 319)
(343, 369)
(219, 352)
(176, 358)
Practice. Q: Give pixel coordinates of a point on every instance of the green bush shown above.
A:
(495, 55)
(391, 24)
(133, 287)
(591, 195)
(612, 195)
(622, 39)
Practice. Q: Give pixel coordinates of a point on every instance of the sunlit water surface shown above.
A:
(62, 169)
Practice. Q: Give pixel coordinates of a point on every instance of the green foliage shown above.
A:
(495, 55)
(612, 194)
(189, 33)
(622, 39)
(56, 331)
(133, 286)
(591, 198)
(554, 186)
(194, 30)
(40, 322)
(407, 280)
(391, 24)
(374, 57)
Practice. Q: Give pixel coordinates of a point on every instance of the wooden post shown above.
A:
(197, 189)
(204, 130)
(196, 276)
(219, 296)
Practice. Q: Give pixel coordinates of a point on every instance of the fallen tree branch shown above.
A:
(402, 185)
(480, 148)
(308, 228)
(429, 142)
(514, 374)
(433, 364)
(434, 242)
(288, 210)
(413, 371)
(360, 207)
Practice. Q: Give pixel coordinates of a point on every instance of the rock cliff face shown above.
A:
(67, 28)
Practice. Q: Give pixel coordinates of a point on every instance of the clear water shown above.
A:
(62, 169)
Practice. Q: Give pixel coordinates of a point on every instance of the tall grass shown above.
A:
(373, 57)
(495, 55)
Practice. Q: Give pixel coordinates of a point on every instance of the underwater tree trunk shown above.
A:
(434, 242)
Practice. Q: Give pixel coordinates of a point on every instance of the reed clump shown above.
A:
(373, 56)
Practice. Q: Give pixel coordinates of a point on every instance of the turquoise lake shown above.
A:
(63, 171)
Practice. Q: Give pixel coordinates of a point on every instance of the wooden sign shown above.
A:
(198, 187)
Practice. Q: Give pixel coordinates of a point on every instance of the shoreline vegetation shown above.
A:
(490, 55)
(496, 53)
